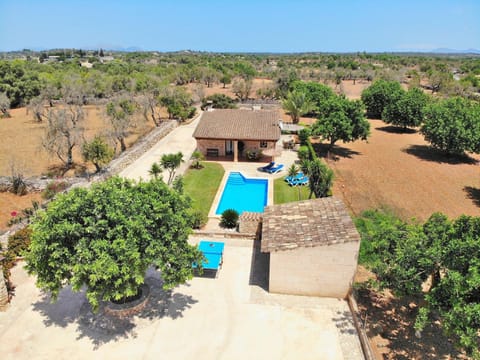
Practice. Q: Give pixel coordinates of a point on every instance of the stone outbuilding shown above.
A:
(228, 132)
(313, 247)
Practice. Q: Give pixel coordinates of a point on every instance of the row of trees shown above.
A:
(438, 262)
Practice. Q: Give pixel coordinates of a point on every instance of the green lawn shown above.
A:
(202, 185)
(283, 193)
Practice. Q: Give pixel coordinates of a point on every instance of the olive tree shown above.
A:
(4, 105)
(119, 113)
(64, 131)
(98, 152)
(104, 238)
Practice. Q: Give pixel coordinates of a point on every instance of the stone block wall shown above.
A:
(326, 271)
(204, 144)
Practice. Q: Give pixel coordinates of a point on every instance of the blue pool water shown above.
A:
(243, 194)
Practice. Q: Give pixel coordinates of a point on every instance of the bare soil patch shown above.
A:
(389, 323)
(400, 171)
(10, 202)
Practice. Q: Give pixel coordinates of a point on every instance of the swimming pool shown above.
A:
(243, 194)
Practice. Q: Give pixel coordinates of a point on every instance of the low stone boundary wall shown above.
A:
(224, 235)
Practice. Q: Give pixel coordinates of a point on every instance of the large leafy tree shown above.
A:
(408, 110)
(219, 101)
(445, 253)
(297, 104)
(343, 120)
(452, 125)
(105, 238)
(379, 95)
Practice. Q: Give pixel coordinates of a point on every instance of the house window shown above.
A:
(263, 144)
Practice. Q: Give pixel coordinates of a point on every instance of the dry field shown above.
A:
(21, 144)
(400, 171)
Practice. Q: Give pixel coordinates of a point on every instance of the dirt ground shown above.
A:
(10, 202)
(400, 171)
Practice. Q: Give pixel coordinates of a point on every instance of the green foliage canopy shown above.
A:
(98, 152)
(379, 95)
(453, 125)
(343, 120)
(408, 110)
(107, 236)
(404, 256)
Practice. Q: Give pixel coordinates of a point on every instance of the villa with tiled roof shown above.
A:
(225, 132)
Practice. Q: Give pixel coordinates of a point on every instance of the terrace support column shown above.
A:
(235, 150)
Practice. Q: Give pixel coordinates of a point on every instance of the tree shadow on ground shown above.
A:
(344, 322)
(61, 170)
(473, 194)
(393, 320)
(101, 328)
(428, 153)
(396, 130)
(335, 153)
(259, 267)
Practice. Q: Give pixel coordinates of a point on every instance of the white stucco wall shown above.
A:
(326, 271)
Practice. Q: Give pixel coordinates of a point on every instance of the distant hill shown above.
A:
(454, 51)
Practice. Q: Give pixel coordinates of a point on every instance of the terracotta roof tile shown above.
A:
(307, 223)
(235, 124)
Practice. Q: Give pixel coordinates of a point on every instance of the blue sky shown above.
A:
(246, 25)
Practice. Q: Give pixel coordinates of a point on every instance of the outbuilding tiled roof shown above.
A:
(317, 222)
(232, 124)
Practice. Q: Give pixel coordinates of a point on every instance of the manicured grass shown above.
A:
(202, 185)
(283, 193)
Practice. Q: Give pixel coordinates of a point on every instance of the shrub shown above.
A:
(198, 219)
(303, 153)
(17, 244)
(18, 185)
(53, 188)
(254, 155)
(229, 219)
(303, 136)
(20, 241)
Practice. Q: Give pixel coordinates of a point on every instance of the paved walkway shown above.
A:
(180, 139)
(228, 317)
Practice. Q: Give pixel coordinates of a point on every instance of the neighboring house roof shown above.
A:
(317, 222)
(233, 124)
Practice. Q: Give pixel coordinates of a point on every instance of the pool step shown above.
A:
(236, 179)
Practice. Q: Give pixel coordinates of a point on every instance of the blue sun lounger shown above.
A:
(293, 178)
(275, 169)
(268, 167)
(299, 182)
(213, 253)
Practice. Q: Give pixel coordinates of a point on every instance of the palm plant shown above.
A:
(293, 171)
(297, 104)
(197, 156)
(320, 177)
(171, 162)
(155, 170)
